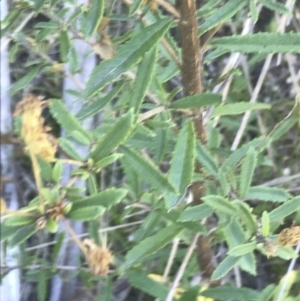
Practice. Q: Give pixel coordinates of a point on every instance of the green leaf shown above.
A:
(142, 282)
(150, 245)
(285, 209)
(93, 17)
(57, 171)
(18, 220)
(265, 224)
(260, 43)
(220, 204)
(25, 80)
(65, 118)
(106, 199)
(128, 55)
(247, 219)
(195, 213)
(45, 169)
(253, 11)
(266, 293)
(242, 249)
(136, 4)
(224, 267)
(147, 171)
(42, 285)
(190, 295)
(52, 226)
(142, 79)
(22, 234)
(247, 171)
(206, 160)
(106, 293)
(223, 14)
(69, 148)
(7, 231)
(237, 155)
(80, 138)
(197, 101)
(182, 162)
(86, 213)
(117, 134)
(275, 6)
(57, 246)
(147, 226)
(228, 292)
(238, 108)
(90, 109)
(108, 160)
(64, 45)
(283, 128)
(264, 193)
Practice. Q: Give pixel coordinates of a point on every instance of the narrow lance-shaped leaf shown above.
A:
(265, 224)
(86, 214)
(69, 148)
(195, 213)
(220, 204)
(197, 101)
(260, 43)
(224, 267)
(247, 171)
(275, 6)
(147, 171)
(118, 133)
(142, 79)
(64, 45)
(238, 108)
(285, 209)
(246, 217)
(25, 80)
(264, 193)
(93, 17)
(206, 160)
(150, 245)
(227, 292)
(68, 122)
(224, 13)
(136, 4)
(242, 249)
(128, 55)
(22, 234)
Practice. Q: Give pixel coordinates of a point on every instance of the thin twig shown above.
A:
(182, 268)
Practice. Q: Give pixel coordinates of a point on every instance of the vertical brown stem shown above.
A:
(192, 84)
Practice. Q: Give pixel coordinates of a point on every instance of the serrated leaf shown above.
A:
(150, 245)
(206, 160)
(93, 17)
(197, 101)
(69, 148)
(265, 224)
(80, 138)
(117, 134)
(127, 56)
(182, 162)
(285, 209)
(275, 6)
(147, 171)
(90, 109)
(63, 116)
(195, 213)
(238, 108)
(247, 171)
(25, 80)
(86, 213)
(242, 249)
(224, 267)
(22, 234)
(220, 204)
(144, 283)
(264, 193)
(142, 79)
(64, 45)
(228, 292)
(247, 219)
(260, 43)
(223, 14)
(237, 155)
(106, 199)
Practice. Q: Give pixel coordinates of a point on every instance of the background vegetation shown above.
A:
(149, 150)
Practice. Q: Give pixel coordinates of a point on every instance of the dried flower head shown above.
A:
(98, 258)
(41, 222)
(289, 237)
(33, 131)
